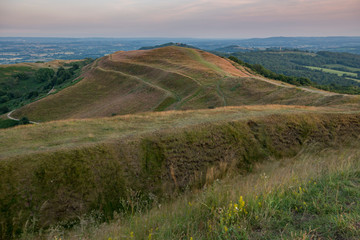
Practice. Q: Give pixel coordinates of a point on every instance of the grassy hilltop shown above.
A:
(171, 166)
(168, 78)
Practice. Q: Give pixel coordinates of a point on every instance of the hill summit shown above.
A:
(169, 44)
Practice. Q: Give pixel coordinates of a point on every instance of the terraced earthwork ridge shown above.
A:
(168, 78)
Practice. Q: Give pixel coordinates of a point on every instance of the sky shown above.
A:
(179, 18)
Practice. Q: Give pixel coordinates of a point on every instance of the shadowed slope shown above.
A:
(166, 79)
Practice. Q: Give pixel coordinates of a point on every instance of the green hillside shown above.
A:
(52, 173)
(23, 83)
(168, 78)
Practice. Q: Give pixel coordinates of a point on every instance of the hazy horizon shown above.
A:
(205, 19)
(179, 38)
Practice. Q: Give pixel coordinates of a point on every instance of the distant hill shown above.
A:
(168, 45)
(233, 48)
(30, 49)
(167, 78)
(334, 44)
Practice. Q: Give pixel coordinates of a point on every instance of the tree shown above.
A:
(4, 109)
(75, 66)
(21, 76)
(33, 94)
(24, 120)
(44, 74)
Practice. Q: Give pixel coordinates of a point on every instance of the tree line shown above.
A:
(298, 81)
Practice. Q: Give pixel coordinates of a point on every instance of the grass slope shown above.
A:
(51, 180)
(167, 78)
(311, 196)
(67, 134)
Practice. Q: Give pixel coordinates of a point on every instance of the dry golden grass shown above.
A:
(52, 64)
(225, 64)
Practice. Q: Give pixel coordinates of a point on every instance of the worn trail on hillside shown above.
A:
(158, 68)
(285, 85)
(168, 92)
(281, 84)
(180, 100)
(219, 91)
(15, 119)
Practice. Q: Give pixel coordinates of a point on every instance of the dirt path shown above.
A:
(286, 85)
(220, 92)
(15, 119)
(282, 84)
(169, 93)
(52, 90)
(165, 70)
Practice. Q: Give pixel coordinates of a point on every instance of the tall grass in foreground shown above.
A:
(311, 196)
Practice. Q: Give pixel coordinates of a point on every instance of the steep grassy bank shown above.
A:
(313, 195)
(44, 188)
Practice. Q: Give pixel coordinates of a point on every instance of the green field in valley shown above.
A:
(337, 72)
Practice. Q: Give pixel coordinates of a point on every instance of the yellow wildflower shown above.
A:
(150, 234)
(241, 202)
(236, 206)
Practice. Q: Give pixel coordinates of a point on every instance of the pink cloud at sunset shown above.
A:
(197, 18)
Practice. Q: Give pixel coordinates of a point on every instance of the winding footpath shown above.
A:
(10, 117)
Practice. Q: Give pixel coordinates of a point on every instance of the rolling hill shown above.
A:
(168, 78)
(88, 168)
